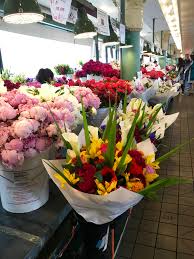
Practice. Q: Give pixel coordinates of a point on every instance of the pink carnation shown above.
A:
(14, 144)
(3, 136)
(12, 158)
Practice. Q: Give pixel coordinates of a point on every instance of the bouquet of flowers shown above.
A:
(98, 68)
(28, 126)
(103, 176)
(108, 88)
(152, 122)
(63, 69)
(72, 94)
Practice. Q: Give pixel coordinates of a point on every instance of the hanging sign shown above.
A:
(72, 15)
(103, 23)
(114, 26)
(60, 10)
(122, 33)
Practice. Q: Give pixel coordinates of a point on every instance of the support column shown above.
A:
(130, 57)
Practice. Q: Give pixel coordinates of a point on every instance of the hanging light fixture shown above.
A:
(22, 11)
(113, 39)
(84, 28)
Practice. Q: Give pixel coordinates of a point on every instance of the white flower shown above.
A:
(73, 139)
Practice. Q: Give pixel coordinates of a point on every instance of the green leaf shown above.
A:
(109, 123)
(110, 154)
(173, 151)
(166, 182)
(140, 123)
(58, 171)
(98, 176)
(151, 122)
(125, 102)
(130, 138)
(86, 130)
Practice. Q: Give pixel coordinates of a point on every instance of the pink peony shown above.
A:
(24, 128)
(38, 113)
(4, 134)
(7, 112)
(43, 143)
(14, 144)
(12, 158)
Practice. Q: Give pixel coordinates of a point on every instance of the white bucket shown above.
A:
(26, 188)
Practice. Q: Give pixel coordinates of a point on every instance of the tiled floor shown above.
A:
(164, 229)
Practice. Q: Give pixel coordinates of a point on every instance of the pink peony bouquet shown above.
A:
(28, 127)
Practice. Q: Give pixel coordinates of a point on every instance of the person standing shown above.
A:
(180, 70)
(187, 70)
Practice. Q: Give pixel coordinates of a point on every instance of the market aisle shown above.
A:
(165, 228)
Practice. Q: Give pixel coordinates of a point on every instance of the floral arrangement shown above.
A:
(106, 169)
(28, 126)
(72, 94)
(63, 69)
(81, 73)
(153, 74)
(168, 86)
(100, 69)
(152, 122)
(108, 88)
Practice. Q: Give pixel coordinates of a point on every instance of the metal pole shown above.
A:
(161, 41)
(154, 20)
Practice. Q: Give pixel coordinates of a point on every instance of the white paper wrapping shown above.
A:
(25, 189)
(165, 122)
(95, 208)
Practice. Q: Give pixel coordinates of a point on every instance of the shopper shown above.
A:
(187, 71)
(191, 71)
(45, 76)
(180, 69)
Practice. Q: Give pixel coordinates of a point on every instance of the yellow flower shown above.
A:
(71, 177)
(150, 178)
(149, 160)
(107, 188)
(84, 156)
(94, 150)
(117, 160)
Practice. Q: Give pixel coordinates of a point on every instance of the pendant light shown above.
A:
(113, 39)
(22, 11)
(84, 28)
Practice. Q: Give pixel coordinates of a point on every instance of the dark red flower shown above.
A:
(135, 169)
(108, 174)
(137, 156)
(86, 174)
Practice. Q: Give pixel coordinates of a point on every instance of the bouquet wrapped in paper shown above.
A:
(152, 122)
(145, 89)
(103, 176)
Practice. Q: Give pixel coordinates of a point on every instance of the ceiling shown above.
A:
(151, 10)
(186, 12)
